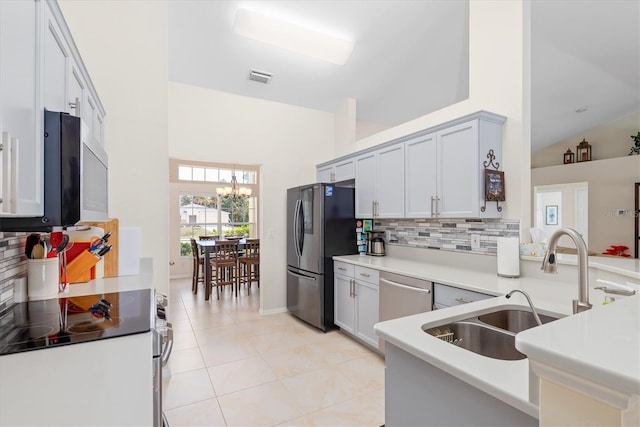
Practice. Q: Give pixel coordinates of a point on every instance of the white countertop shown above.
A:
(601, 345)
(107, 285)
(509, 380)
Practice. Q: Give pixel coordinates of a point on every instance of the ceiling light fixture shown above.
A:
(582, 109)
(235, 192)
(293, 37)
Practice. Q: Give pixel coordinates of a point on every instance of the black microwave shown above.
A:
(75, 177)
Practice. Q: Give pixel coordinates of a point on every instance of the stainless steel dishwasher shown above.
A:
(402, 296)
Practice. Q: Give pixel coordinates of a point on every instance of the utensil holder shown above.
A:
(79, 270)
(43, 277)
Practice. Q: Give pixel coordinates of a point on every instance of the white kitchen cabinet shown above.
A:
(365, 185)
(342, 170)
(56, 64)
(420, 176)
(20, 119)
(356, 301)
(40, 68)
(344, 312)
(445, 172)
(380, 183)
(366, 299)
(325, 174)
(448, 296)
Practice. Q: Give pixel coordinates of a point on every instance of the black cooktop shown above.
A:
(54, 322)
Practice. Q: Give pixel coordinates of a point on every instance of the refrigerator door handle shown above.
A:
(295, 227)
(300, 228)
(302, 276)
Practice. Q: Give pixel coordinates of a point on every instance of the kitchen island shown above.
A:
(508, 382)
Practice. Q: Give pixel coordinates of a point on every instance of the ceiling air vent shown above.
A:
(260, 76)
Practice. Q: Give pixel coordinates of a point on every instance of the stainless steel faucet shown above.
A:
(533, 309)
(550, 265)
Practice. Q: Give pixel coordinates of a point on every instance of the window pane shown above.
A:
(184, 173)
(198, 174)
(225, 175)
(211, 175)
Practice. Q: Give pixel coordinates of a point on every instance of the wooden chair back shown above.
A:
(195, 250)
(207, 237)
(252, 249)
(225, 252)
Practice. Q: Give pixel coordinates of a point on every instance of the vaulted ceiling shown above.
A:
(411, 58)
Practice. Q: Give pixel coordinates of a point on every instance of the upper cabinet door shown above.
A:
(326, 174)
(420, 176)
(56, 65)
(458, 177)
(365, 185)
(77, 93)
(20, 120)
(390, 182)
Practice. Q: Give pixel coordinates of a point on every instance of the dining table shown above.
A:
(207, 247)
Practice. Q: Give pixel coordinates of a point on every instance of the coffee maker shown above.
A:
(375, 243)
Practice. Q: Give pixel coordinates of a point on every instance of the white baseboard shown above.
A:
(273, 311)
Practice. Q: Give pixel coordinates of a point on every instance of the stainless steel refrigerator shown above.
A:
(320, 224)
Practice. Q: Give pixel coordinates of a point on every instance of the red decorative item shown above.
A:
(617, 250)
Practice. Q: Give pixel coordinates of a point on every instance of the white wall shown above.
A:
(124, 46)
(611, 187)
(608, 141)
(285, 140)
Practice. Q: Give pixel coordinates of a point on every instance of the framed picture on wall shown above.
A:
(494, 185)
(552, 215)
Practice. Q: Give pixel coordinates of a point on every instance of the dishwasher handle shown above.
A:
(408, 288)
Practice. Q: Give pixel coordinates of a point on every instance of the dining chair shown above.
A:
(249, 264)
(198, 262)
(208, 237)
(224, 261)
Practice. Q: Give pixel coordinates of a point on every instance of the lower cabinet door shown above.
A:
(367, 312)
(344, 315)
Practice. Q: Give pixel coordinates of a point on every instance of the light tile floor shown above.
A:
(231, 366)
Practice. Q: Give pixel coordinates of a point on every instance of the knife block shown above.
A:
(80, 268)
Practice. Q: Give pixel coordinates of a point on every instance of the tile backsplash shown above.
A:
(13, 264)
(448, 234)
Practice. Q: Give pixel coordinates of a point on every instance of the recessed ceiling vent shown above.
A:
(260, 76)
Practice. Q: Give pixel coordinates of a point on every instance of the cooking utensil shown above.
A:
(32, 240)
(37, 252)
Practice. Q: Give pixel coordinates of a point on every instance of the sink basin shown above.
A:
(481, 339)
(491, 334)
(513, 320)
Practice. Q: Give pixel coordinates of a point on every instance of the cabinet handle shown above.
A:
(350, 288)
(437, 203)
(342, 269)
(364, 275)
(9, 148)
(463, 301)
(354, 288)
(76, 106)
(433, 211)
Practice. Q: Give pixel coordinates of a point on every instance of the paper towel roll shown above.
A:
(508, 257)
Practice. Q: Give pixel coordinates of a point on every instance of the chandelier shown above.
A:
(235, 191)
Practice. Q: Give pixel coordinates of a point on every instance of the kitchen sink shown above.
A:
(480, 339)
(491, 334)
(513, 320)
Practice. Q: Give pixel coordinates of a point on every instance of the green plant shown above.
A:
(185, 248)
(636, 146)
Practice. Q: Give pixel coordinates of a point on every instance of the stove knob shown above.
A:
(161, 312)
(161, 299)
